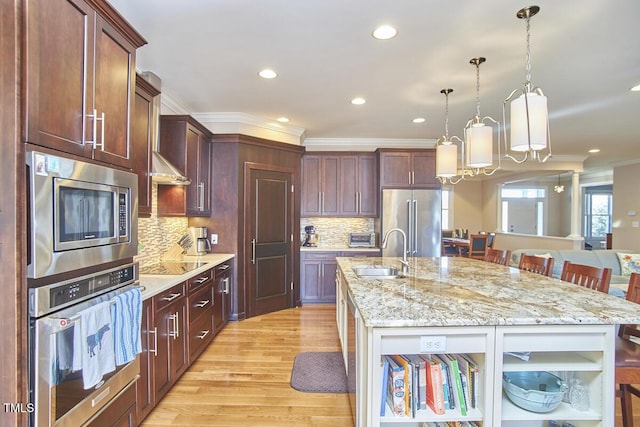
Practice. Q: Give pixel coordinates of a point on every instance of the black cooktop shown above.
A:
(170, 268)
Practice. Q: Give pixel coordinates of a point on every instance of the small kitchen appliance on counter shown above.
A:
(200, 243)
(310, 236)
(362, 240)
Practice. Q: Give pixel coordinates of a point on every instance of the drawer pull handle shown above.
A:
(202, 334)
(171, 297)
(224, 267)
(202, 303)
(201, 280)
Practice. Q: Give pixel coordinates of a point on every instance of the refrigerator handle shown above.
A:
(410, 230)
(414, 245)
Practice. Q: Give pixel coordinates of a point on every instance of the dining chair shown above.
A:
(536, 264)
(497, 256)
(627, 370)
(448, 249)
(477, 246)
(587, 276)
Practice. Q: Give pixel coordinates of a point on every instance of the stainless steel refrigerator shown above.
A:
(417, 213)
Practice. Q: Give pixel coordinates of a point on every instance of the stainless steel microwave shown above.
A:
(79, 214)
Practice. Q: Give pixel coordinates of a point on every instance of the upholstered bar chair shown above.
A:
(587, 276)
(536, 264)
(628, 358)
(498, 256)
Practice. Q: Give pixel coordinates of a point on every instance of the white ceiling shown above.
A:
(585, 57)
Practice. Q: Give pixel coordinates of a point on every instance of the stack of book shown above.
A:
(439, 382)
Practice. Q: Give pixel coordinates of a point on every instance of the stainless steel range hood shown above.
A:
(162, 171)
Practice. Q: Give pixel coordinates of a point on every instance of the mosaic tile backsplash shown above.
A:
(157, 234)
(334, 232)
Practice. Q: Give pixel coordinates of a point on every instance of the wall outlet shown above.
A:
(433, 343)
(214, 239)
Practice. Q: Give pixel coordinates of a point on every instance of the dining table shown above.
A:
(459, 244)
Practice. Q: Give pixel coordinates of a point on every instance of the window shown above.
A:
(446, 208)
(598, 205)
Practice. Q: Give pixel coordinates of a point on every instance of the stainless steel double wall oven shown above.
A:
(82, 237)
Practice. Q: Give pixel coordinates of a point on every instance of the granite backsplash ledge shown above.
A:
(334, 232)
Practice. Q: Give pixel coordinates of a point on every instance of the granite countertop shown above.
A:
(153, 284)
(456, 291)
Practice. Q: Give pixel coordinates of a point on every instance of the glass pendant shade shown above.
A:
(446, 160)
(529, 131)
(479, 144)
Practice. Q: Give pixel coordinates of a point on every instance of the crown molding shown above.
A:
(365, 144)
(236, 122)
(171, 105)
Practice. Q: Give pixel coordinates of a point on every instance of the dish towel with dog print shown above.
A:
(126, 315)
(93, 344)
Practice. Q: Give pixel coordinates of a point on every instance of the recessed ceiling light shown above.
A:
(358, 101)
(636, 88)
(419, 120)
(283, 119)
(594, 150)
(385, 32)
(267, 74)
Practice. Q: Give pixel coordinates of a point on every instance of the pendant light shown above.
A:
(558, 188)
(447, 150)
(478, 135)
(528, 112)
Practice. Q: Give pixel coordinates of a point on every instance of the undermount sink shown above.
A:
(376, 271)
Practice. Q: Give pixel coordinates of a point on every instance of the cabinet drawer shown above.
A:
(200, 280)
(319, 256)
(222, 269)
(171, 294)
(200, 335)
(199, 302)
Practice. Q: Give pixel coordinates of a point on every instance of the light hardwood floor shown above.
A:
(242, 379)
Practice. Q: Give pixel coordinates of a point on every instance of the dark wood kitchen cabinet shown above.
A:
(339, 184)
(222, 296)
(171, 323)
(318, 276)
(80, 75)
(320, 185)
(408, 168)
(201, 301)
(358, 179)
(145, 386)
(142, 134)
(187, 145)
(318, 273)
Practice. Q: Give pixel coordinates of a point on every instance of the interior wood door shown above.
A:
(269, 239)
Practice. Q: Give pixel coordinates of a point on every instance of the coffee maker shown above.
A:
(199, 242)
(310, 236)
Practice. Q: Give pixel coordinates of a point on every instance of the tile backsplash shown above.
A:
(334, 232)
(157, 234)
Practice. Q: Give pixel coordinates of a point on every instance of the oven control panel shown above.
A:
(49, 298)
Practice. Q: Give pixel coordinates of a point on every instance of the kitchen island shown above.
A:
(484, 310)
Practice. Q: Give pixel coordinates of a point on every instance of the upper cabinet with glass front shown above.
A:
(80, 78)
